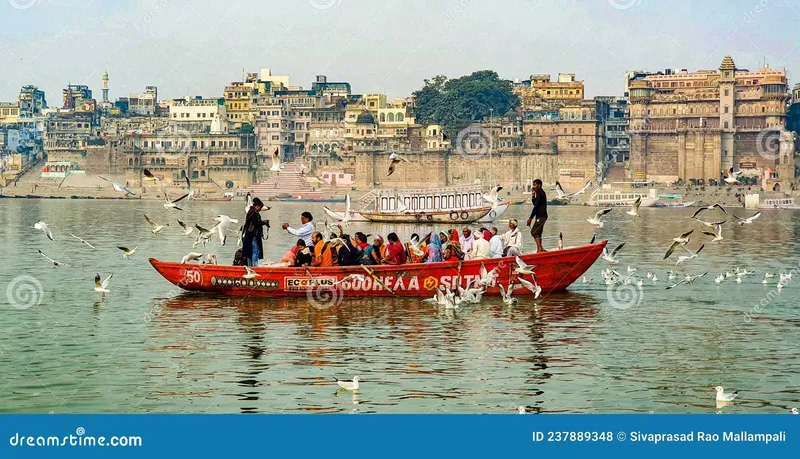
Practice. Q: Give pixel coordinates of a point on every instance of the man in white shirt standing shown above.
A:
(495, 244)
(305, 231)
(512, 239)
(480, 247)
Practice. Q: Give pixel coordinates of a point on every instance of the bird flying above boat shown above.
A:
(56, 264)
(534, 287)
(191, 256)
(348, 212)
(568, 196)
(43, 227)
(223, 224)
(597, 219)
(395, 159)
(187, 230)
(493, 196)
(610, 257)
(634, 212)
(711, 207)
(249, 204)
(683, 239)
(522, 267)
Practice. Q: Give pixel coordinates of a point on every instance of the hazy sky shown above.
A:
(390, 46)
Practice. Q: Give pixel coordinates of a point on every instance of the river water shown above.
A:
(150, 349)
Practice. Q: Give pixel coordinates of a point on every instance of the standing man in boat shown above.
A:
(253, 234)
(538, 214)
(305, 231)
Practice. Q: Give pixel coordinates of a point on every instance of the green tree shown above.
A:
(246, 128)
(456, 103)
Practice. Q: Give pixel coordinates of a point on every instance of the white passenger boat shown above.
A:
(610, 197)
(779, 203)
(462, 204)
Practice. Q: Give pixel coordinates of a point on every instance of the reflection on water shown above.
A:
(147, 348)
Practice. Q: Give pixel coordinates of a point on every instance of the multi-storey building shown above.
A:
(66, 135)
(282, 121)
(31, 101)
(330, 91)
(615, 118)
(224, 159)
(144, 104)
(9, 112)
(540, 87)
(76, 95)
(694, 125)
(195, 114)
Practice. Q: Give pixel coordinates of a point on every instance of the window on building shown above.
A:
(726, 109)
(727, 92)
(726, 125)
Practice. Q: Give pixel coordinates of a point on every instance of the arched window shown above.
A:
(183, 174)
(391, 117)
(202, 173)
(130, 161)
(726, 125)
(400, 117)
(383, 117)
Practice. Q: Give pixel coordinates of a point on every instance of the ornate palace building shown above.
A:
(695, 125)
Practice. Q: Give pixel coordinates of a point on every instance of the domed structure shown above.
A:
(365, 118)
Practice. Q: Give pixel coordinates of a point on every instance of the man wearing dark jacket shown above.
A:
(253, 234)
(539, 213)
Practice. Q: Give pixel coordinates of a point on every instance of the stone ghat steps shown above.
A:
(288, 181)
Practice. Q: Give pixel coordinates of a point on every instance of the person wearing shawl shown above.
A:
(466, 239)
(253, 234)
(348, 254)
(395, 251)
(454, 236)
(372, 254)
(290, 257)
(360, 240)
(512, 239)
(434, 249)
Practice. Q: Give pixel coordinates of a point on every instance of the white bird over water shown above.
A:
(487, 277)
(56, 264)
(596, 220)
(127, 253)
(506, 294)
(585, 280)
(688, 280)
(149, 176)
(352, 386)
(249, 204)
(723, 396)
(43, 227)
(250, 274)
(82, 240)
(191, 256)
(719, 279)
(522, 267)
(732, 177)
(711, 224)
(711, 207)
(793, 411)
(634, 212)
(187, 230)
(633, 270)
(118, 187)
(748, 220)
(101, 287)
(493, 196)
(610, 257)
(683, 239)
(173, 204)
(784, 276)
(534, 287)
(717, 235)
(684, 258)
(521, 409)
(223, 223)
(568, 196)
(156, 228)
(348, 212)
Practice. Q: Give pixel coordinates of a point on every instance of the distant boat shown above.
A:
(678, 204)
(456, 204)
(779, 203)
(609, 197)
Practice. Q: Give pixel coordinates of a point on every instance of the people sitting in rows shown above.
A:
(419, 256)
(480, 248)
(434, 249)
(512, 239)
(324, 253)
(361, 240)
(348, 253)
(372, 254)
(495, 244)
(466, 239)
(395, 251)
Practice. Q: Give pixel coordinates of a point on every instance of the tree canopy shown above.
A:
(456, 103)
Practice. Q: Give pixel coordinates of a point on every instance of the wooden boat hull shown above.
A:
(555, 271)
(443, 217)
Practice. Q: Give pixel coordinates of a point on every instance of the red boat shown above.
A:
(555, 271)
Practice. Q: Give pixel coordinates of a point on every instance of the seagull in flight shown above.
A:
(101, 287)
(156, 228)
(711, 224)
(250, 274)
(683, 239)
(522, 267)
(748, 220)
(568, 196)
(732, 177)
(348, 212)
(395, 159)
(149, 176)
(717, 235)
(506, 294)
(534, 287)
(187, 230)
(723, 396)
(43, 227)
(223, 224)
(634, 212)
(596, 220)
(493, 196)
(56, 264)
(82, 240)
(711, 207)
(249, 204)
(173, 204)
(684, 258)
(276, 161)
(203, 235)
(610, 257)
(688, 280)
(118, 187)
(127, 253)
(191, 256)
(352, 386)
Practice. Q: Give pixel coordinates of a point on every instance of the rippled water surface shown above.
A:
(147, 350)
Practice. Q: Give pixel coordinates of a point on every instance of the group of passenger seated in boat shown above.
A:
(313, 250)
